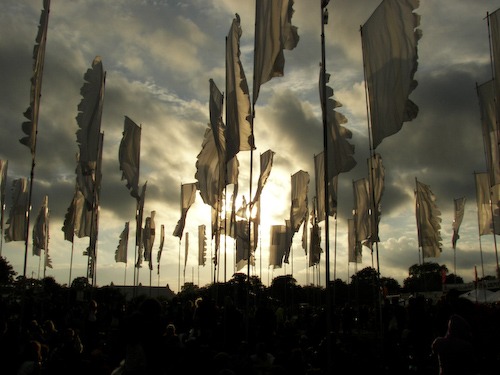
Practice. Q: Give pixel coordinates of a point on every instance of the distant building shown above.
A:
(130, 291)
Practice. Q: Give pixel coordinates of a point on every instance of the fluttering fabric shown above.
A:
(389, 40)
(459, 205)
(362, 220)
(494, 21)
(16, 230)
(160, 248)
(299, 205)
(238, 131)
(186, 251)
(243, 252)
(202, 245)
(488, 219)
(354, 247)
(377, 182)
(277, 245)
(90, 112)
(149, 238)
(188, 195)
(274, 32)
(4, 165)
(129, 155)
(319, 171)
(209, 171)
(340, 151)
(140, 214)
(30, 127)
(488, 107)
(41, 228)
(266, 164)
(315, 249)
(428, 222)
(122, 248)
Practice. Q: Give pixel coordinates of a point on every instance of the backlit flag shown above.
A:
(238, 132)
(89, 116)
(16, 230)
(354, 248)
(129, 155)
(211, 161)
(266, 164)
(209, 171)
(487, 220)
(377, 181)
(277, 246)
(486, 94)
(30, 127)
(315, 249)
(494, 23)
(202, 245)
(243, 245)
(459, 205)
(41, 228)
(319, 172)
(188, 196)
(149, 237)
(122, 249)
(186, 251)
(340, 151)
(3, 181)
(362, 221)
(389, 43)
(139, 215)
(160, 249)
(299, 204)
(274, 32)
(428, 222)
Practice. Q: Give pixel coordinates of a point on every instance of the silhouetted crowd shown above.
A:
(149, 336)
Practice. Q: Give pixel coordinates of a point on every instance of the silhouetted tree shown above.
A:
(80, 283)
(390, 285)
(425, 277)
(7, 272)
(364, 285)
(283, 288)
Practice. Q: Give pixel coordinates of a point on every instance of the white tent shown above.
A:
(494, 297)
(479, 295)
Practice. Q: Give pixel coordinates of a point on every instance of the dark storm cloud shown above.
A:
(443, 146)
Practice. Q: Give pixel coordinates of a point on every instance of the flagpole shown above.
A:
(39, 264)
(497, 113)
(418, 224)
(374, 209)
(46, 236)
(494, 230)
(1, 227)
(179, 269)
(324, 20)
(32, 115)
(71, 261)
(479, 230)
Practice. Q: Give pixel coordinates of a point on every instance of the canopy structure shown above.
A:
(481, 295)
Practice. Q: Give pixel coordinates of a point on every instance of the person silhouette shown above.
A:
(455, 351)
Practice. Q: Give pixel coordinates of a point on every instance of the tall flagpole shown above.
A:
(32, 115)
(3, 171)
(497, 112)
(372, 194)
(324, 20)
(479, 230)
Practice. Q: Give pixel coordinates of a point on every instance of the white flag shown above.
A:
(428, 222)
(274, 32)
(389, 40)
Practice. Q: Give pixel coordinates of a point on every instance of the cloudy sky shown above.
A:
(159, 56)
